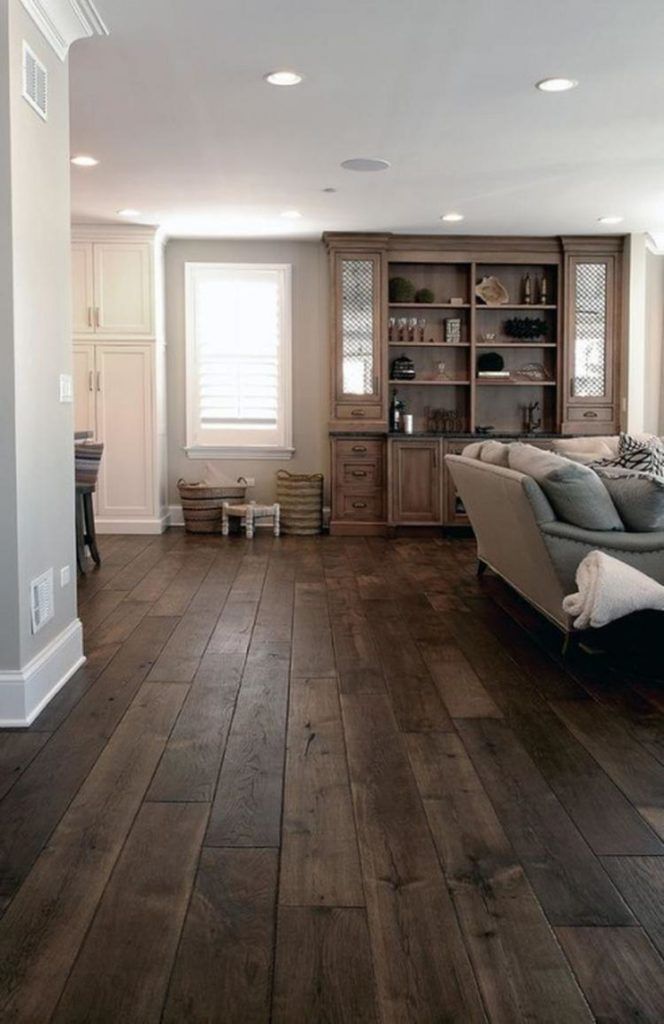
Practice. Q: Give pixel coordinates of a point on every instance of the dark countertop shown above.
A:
(541, 434)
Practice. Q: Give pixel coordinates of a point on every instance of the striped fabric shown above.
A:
(87, 457)
(642, 454)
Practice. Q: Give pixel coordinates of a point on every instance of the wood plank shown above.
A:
(33, 807)
(146, 897)
(17, 750)
(421, 965)
(189, 766)
(223, 966)
(619, 971)
(319, 858)
(67, 698)
(323, 967)
(176, 598)
(313, 654)
(247, 806)
(520, 969)
(232, 634)
(457, 682)
(357, 660)
(46, 922)
(569, 881)
(641, 882)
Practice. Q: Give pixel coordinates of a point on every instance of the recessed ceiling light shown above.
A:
(329, 190)
(363, 163)
(129, 212)
(283, 78)
(611, 219)
(84, 161)
(452, 217)
(291, 215)
(556, 84)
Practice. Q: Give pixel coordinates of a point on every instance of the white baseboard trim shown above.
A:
(25, 692)
(156, 525)
(175, 517)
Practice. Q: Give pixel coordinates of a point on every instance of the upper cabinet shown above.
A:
(112, 288)
(358, 338)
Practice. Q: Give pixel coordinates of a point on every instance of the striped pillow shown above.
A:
(644, 454)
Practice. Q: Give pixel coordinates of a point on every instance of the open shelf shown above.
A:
(428, 383)
(429, 344)
(433, 305)
(515, 344)
(515, 383)
(512, 305)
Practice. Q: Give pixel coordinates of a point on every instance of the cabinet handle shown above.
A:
(359, 472)
(359, 504)
(359, 448)
(375, 385)
(90, 324)
(96, 316)
(358, 412)
(590, 415)
(98, 380)
(91, 385)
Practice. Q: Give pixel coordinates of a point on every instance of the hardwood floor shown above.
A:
(330, 780)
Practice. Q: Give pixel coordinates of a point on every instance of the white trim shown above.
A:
(114, 233)
(25, 692)
(138, 526)
(203, 451)
(175, 516)
(62, 22)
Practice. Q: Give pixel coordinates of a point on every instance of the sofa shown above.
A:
(522, 539)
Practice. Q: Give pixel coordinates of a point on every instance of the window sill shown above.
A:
(235, 452)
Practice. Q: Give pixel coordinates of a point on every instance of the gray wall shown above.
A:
(310, 360)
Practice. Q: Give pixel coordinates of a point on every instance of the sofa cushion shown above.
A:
(472, 450)
(495, 452)
(593, 447)
(571, 487)
(641, 452)
(639, 497)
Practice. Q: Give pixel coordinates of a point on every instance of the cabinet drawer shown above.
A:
(366, 475)
(357, 413)
(364, 507)
(598, 414)
(358, 450)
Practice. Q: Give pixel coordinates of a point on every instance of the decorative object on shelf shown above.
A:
(488, 338)
(543, 290)
(403, 368)
(452, 331)
(531, 371)
(525, 327)
(412, 324)
(391, 324)
(408, 423)
(396, 411)
(402, 324)
(490, 362)
(300, 497)
(484, 430)
(421, 326)
(424, 295)
(456, 300)
(491, 291)
(531, 421)
(527, 290)
(401, 289)
(443, 421)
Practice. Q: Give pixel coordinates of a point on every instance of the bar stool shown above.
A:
(87, 457)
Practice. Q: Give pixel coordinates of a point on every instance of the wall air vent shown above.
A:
(41, 600)
(35, 82)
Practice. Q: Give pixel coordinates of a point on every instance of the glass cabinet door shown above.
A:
(591, 330)
(358, 327)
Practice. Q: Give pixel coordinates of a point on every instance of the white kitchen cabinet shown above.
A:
(82, 288)
(112, 288)
(84, 387)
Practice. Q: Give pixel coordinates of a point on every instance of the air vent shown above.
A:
(35, 81)
(41, 600)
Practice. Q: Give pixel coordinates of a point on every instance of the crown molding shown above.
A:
(62, 22)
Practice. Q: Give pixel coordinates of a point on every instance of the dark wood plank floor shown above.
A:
(330, 780)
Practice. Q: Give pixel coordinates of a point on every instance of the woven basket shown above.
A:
(201, 504)
(300, 499)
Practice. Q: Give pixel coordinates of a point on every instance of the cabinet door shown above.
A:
(123, 288)
(416, 482)
(358, 362)
(84, 387)
(590, 336)
(125, 425)
(82, 291)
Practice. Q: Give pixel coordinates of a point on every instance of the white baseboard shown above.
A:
(156, 525)
(25, 692)
(175, 517)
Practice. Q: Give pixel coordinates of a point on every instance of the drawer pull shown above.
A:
(359, 472)
(590, 415)
(358, 412)
(359, 448)
(359, 504)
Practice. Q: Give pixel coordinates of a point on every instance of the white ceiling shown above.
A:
(174, 105)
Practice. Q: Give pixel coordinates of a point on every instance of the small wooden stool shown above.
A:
(248, 514)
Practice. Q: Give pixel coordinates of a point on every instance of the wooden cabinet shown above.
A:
(358, 485)
(358, 338)
(455, 513)
(416, 482)
(112, 289)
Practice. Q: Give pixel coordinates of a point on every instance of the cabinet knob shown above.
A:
(359, 448)
(358, 412)
(590, 415)
(359, 504)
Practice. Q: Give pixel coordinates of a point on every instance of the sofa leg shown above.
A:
(569, 643)
(481, 567)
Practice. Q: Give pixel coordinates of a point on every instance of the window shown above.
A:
(238, 330)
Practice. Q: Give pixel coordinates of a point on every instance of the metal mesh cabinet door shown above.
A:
(358, 318)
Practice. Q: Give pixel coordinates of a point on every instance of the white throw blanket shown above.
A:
(609, 589)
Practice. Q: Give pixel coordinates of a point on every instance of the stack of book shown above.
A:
(493, 373)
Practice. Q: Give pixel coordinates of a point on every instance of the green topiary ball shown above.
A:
(401, 290)
(424, 295)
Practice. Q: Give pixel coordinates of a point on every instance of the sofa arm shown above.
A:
(568, 545)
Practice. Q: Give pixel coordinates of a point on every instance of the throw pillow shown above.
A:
(639, 498)
(642, 453)
(495, 452)
(585, 446)
(571, 487)
(472, 450)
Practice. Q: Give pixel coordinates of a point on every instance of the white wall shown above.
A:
(310, 360)
(653, 418)
(645, 365)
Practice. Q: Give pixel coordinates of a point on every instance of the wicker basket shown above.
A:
(201, 504)
(301, 501)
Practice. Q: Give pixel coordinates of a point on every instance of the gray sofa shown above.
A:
(520, 538)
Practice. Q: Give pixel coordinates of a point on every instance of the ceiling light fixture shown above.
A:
(611, 219)
(84, 161)
(291, 215)
(452, 217)
(283, 78)
(556, 84)
(329, 189)
(364, 163)
(129, 212)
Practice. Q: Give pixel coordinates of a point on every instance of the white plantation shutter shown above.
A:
(238, 356)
